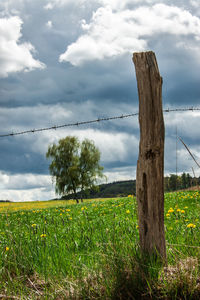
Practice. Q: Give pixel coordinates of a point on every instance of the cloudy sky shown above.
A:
(63, 61)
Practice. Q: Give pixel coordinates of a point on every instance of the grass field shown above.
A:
(58, 250)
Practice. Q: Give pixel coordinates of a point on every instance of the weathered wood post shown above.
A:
(150, 165)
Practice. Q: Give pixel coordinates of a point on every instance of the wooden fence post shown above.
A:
(150, 165)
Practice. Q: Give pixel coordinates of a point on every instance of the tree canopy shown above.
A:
(74, 166)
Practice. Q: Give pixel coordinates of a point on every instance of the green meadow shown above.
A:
(58, 250)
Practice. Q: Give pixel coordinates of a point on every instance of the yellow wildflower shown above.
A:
(128, 211)
(191, 225)
(33, 225)
(178, 210)
(167, 215)
(7, 248)
(182, 211)
(43, 235)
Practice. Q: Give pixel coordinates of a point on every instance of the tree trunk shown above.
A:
(82, 194)
(150, 165)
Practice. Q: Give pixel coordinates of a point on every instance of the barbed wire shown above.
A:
(91, 121)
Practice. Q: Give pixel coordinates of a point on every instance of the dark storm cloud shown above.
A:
(105, 81)
(17, 156)
(62, 93)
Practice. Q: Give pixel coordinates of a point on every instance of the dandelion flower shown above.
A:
(128, 211)
(33, 225)
(191, 225)
(7, 248)
(43, 235)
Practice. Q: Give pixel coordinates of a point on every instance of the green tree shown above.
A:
(184, 181)
(64, 165)
(74, 166)
(166, 184)
(89, 168)
(172, 182)
(189, 179)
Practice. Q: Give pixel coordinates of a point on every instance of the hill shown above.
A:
(124, 188)
(109, 190)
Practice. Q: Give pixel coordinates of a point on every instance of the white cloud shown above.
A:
(49, 24)
(23, 181)
(114, 4)
(121, 174)
(15, 57)
(27, 195)
(195, 3)
(60, 3)
(33, 117)
(113, 146)
(4, 179)
(112, 33)
(186, 124)
(120, 5)
(26, 187)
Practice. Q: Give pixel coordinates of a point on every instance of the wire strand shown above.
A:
(91, 121)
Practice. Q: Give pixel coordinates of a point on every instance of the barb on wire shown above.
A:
(92, 121)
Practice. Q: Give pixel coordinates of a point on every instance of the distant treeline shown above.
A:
(180, 182)
(5, 201)
(125, 188)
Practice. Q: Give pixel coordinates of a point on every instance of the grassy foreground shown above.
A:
(57, 250)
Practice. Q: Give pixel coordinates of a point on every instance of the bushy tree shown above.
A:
(184, 181)
(74, 166)
(89, 168)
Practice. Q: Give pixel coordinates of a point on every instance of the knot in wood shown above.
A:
(150, 154)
